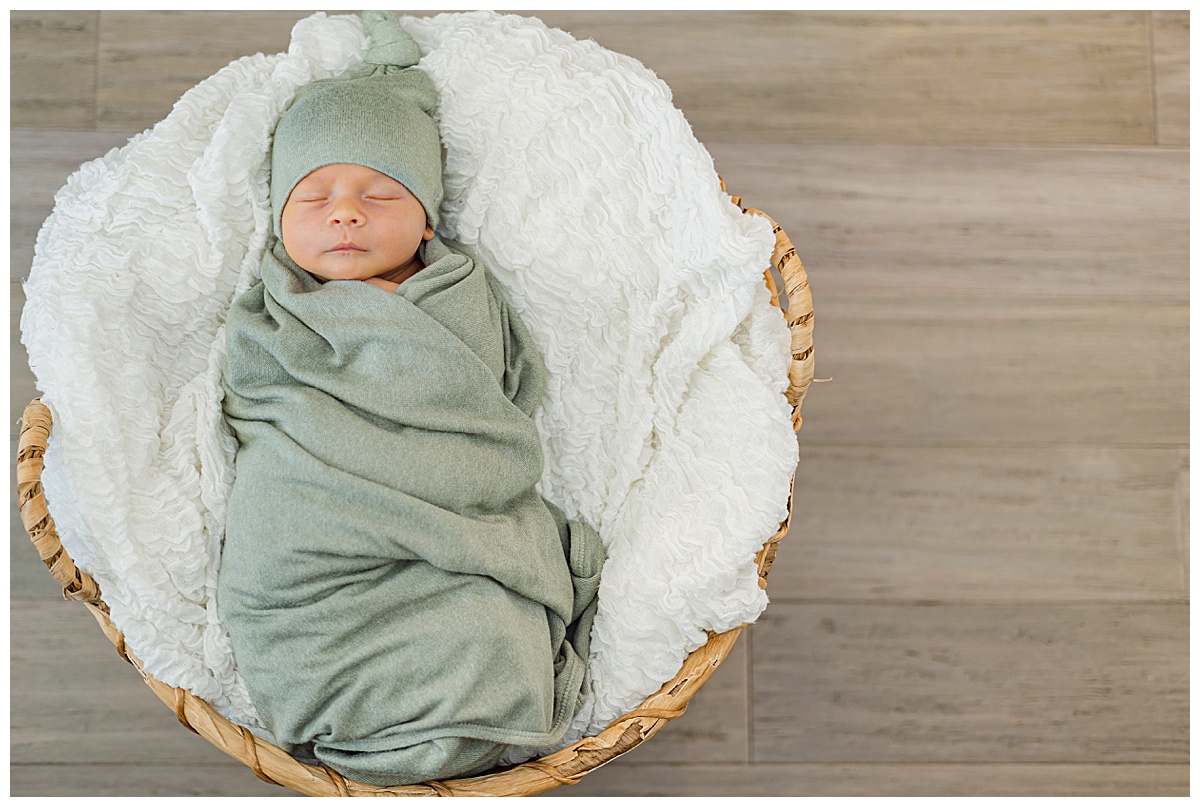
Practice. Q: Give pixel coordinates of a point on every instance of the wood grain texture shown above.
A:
(939, 369)
(963, 683)
(980, 220)
(929, 780)
(27, 575)
(964, 77)
(946, 77)
(1184, 507)
(81, 702)
(147, 59)
(173, 781)
(1172, 76)
(53, 69)
(1068, 523)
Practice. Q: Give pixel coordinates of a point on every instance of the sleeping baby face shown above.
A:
(350, 222)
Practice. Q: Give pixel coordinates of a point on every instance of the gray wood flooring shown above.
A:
(986, 588)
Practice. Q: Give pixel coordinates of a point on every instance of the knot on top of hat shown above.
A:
(390, 45)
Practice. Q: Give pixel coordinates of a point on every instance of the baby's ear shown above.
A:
(428, 233)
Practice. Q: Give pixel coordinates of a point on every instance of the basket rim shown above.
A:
(563, 767)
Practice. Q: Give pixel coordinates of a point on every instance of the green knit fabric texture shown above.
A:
(378, 114)
(402, 603)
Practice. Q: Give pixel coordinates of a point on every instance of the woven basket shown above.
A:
(564, 767)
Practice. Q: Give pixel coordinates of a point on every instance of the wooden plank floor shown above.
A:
(986, 589)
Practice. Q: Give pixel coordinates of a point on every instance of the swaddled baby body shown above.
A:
(403, 605)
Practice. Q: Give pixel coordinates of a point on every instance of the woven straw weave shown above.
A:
(564, 767)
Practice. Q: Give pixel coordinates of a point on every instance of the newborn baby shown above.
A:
(403, 605)
(351, 222)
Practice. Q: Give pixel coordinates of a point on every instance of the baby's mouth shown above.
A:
(347, 246)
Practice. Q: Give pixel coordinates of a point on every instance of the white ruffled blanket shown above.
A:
(664, 424)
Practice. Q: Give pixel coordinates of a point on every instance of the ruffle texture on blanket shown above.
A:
(573, 179)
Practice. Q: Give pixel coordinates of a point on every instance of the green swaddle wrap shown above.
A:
(403, 604)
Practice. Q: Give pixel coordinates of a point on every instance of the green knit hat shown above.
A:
(375, 114)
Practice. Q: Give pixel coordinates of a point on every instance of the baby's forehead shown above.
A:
(346, 172)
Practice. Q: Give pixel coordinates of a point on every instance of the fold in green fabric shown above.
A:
(403, 604)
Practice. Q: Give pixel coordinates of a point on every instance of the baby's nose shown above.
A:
(345, 214)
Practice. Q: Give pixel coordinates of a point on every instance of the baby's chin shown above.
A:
(326, 274)
(344, 270)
